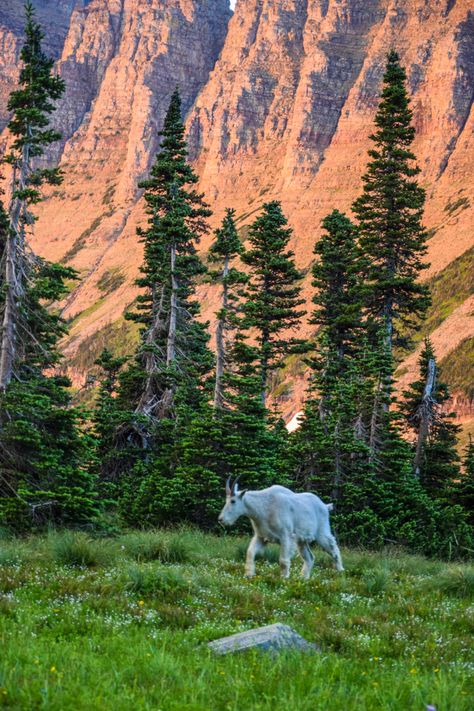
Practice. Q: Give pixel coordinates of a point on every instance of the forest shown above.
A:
(187, 408)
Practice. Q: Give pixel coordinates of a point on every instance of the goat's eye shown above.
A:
(232, 501)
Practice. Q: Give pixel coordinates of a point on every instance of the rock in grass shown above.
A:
(272, 638)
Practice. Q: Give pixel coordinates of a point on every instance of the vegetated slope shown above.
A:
(123, 623)
(280, 104)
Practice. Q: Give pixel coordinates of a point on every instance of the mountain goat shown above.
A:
(278, 515)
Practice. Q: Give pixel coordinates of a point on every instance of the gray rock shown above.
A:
(271, 638)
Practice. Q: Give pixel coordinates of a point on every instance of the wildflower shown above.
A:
(413, 671)
(53, 670)
(436, 670)
(141, 602)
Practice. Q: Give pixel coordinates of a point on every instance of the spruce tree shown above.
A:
(166, 388)
(31, 105)
(273, 292)
(43, 452)
(330, 445)
(389, 212)
(173, 348)
(436, 461)
(226, 248)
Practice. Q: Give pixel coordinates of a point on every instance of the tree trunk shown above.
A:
(425, 415)
(14, 271)
(220, 344)
(149, 397)
(10, 312)
(171, 344)
(338, 473)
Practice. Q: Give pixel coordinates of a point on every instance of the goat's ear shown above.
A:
(241, 493)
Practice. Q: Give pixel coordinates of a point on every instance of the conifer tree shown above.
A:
(273, 293)
(223, 252)
(389, 212)
(173, 350)
(436, 461)
(43, 452)
(31, 105)
(329, 440)
(166, 388)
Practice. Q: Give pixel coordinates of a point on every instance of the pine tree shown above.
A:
(43, 451)
(330, 443)
(273, 293)
(436, 461)
(173, 350)
(31, 106)
(166, 388)
(226, 248)
(389, 212)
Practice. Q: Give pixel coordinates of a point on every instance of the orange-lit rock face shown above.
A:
(280, 103)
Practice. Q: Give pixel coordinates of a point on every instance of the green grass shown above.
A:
(449, 289)
(120, 337)
(111, 280)
(123, 624)
(456, 368)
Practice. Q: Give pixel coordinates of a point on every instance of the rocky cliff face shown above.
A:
(280, 103)
(54, 16)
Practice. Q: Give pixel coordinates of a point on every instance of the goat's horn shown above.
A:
(234, 485)
(228, 489)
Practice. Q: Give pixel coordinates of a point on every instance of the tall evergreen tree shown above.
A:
(436, 461)
(273, 293)
(173, 349)
(164, 393)
(389, 212)
(330, 443)
(223, 252)
(31, 105)
(42, 449)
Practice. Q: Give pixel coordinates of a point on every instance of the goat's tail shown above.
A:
(330, 507)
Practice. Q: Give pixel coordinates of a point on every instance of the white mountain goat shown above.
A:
(278, 515)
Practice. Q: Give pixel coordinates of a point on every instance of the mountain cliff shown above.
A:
(280, 99)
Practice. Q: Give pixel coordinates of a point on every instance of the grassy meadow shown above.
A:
(122, 623)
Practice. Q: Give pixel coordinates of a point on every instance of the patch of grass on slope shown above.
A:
(129, 630)
(457, 368)
(120, 337)
(449, 289)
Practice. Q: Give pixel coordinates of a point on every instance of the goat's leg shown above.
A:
(308, 559)
(328, 543)
(256, 544)
(286, 553)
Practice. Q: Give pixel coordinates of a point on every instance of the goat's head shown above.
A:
(234, 505)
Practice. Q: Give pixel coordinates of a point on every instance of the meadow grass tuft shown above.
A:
(166, 547)
(77, 549)
(151, 581)
(455, 581)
